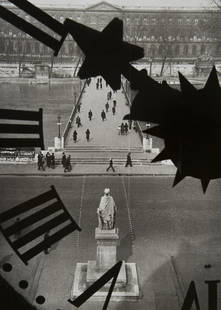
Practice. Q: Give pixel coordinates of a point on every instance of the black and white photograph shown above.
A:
(110, 154)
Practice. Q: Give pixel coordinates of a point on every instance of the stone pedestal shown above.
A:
(126, 287)
(107, 242)
(147, 144)
(58, 143)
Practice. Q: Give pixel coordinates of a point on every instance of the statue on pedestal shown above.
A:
(106, 211)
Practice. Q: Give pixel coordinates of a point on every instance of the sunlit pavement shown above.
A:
(170, 233)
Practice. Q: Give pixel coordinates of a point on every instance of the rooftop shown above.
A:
(128, 4)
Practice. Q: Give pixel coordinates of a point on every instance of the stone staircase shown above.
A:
(101, 155)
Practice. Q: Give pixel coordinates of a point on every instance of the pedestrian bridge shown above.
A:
(105, 138)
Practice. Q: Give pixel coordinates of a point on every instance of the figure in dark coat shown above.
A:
(126, 128)
(52, 161)
(75, 135)
(107, 107)
(63, 160)
(87, 132)
(103, 115)
(129, 160)
(48, 159)
(110, 165)
(68, 164)
(90, 114)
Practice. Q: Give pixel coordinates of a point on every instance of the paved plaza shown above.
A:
(170, 233)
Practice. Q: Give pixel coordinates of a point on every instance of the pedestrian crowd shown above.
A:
(46, 161)
(49, 161)
(103, 114)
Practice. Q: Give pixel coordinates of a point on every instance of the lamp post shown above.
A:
(59, 126)
(75, 97)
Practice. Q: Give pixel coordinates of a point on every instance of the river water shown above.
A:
(54, 99)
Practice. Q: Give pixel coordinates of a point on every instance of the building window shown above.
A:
(194, 50)
(202, 49)
(36, 48)
(152, 51)
(180, 21)
(185, 50)
(136, 21)
(177, 50)
(128, 20)
(154, 21)
(145, 21)
(196, 21)
(170, 20)
(28, 47)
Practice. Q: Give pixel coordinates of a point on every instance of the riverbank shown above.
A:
(17, 80)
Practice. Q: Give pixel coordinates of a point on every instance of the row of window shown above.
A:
(135, 20)
(10, 47)
(176, 50)
(143, 37)
(29, 48)
(160, 20)
(135, 35)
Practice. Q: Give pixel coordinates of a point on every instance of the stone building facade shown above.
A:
(176, 33)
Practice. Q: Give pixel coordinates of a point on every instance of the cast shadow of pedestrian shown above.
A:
(124, 249)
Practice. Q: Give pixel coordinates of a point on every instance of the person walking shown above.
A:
(135, 126)
(75, 135)
(78, 121)
(68, 164)
(90, 114)
(103, 115)
(110, 165)
(107, 107)
(87, 132)
(48, 159)
(114, 103)
(113, 110)
(63, 159)
(122, 128)
(128, 160)
(79, 108)
(52, 161)
(39, 160)
(126, 128)
(43, 163)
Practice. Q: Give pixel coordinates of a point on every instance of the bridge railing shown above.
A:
(137, 124)
(72, 115)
